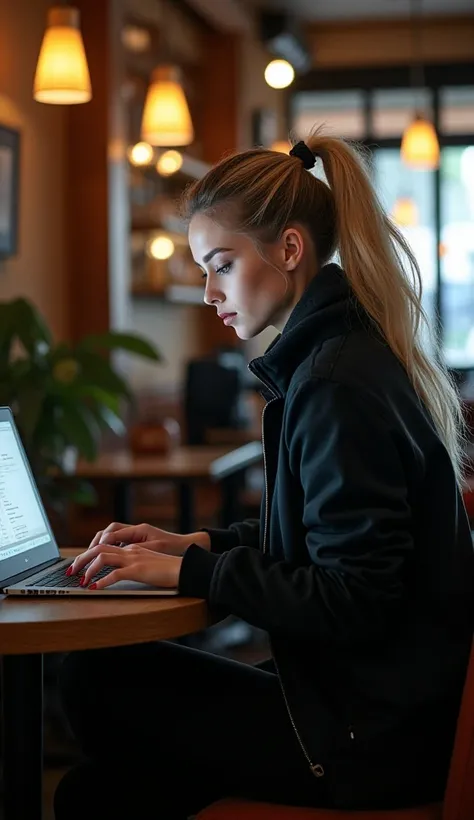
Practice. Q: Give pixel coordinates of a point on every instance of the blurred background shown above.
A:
(132, 398)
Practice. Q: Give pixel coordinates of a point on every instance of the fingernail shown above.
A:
(82, 581)
(69, 570)
(92, 586)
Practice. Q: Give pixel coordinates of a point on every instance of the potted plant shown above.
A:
(63, 396)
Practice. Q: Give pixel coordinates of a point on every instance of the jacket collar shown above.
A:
(327, 308)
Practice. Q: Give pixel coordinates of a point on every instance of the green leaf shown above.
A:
(7, 331)
(99, 396)
(30, 404)
(121, 341)
(97, 372)
(30, 327)
(109, 419)
(77, 427)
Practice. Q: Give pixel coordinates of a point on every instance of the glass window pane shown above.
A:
(394, 109)
(408, 197)
(340, 112)
(456, 114)
(457, 254)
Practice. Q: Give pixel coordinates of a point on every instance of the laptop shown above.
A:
(30, 562)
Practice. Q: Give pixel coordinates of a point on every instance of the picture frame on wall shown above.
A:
(9, 190)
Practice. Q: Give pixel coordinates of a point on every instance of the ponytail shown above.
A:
(384, 275)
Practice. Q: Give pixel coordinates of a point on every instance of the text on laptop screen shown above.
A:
(22, 524)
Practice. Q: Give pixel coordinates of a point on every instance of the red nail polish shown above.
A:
(93, 586)
(82, 581)
(69, 570)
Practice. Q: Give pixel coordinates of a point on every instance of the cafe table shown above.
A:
(32, 627)
(183, 466)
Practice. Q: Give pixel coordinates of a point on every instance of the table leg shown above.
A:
(22, 706)
(122, 501)
(186, 518)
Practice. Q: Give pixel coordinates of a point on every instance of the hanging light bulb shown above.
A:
(160, 247)
(420, 146)
(62, 74)
(166, 118)
(279, 74)
(140, 154)
(169, 162)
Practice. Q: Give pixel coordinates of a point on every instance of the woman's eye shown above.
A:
(224, 268)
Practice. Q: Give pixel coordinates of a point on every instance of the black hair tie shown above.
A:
(303, 153)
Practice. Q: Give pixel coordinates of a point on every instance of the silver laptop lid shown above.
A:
(26, 539)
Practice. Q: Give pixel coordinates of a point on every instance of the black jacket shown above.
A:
(361, 569)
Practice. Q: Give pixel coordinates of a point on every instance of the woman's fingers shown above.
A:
(111, 578)
(86, 557)
(104, 559)
(123, 533)
(95, 539)
(99, 535)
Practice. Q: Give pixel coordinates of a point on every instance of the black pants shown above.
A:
(167, 730)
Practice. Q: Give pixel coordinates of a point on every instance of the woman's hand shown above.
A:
(152, 537)
(132, 563)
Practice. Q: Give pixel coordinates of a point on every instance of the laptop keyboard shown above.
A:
(58, 578)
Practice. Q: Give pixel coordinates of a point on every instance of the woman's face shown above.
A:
(249, 293)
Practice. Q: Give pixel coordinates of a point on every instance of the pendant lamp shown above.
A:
(420, 147)
(166, 119)
(62, 73)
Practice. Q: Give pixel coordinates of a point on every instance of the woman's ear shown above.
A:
(292, 247)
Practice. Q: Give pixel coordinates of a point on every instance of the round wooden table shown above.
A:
(30, 627)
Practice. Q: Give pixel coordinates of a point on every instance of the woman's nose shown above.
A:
(212, 295)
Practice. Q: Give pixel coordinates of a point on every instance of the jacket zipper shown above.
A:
(316, 768)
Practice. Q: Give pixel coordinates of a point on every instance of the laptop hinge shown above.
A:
(15, 579)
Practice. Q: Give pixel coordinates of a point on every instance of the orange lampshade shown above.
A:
(166, 118)
(420, 147)
(62, 74)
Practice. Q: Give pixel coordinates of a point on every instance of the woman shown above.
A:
(361, 568)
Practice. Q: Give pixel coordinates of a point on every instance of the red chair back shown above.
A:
(459, 797)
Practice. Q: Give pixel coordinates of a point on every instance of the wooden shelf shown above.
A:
(176, 294)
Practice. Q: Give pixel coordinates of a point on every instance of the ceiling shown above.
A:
(363, 9)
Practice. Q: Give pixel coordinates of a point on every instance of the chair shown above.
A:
(212, 396)
(458, 803)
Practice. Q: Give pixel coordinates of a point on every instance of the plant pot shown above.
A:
(155, 438)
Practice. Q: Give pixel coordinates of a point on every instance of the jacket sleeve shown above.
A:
(357, 520)
(244, 532)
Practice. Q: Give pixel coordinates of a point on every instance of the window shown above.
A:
(457, 110)
(434, 210)
(392, 109)
(457, 254)
(340, 112)
(409, 199)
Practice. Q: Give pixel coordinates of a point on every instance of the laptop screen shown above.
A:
(24, 528)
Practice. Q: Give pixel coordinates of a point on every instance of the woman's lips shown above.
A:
(227, 317)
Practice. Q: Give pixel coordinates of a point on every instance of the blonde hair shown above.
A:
(260, 192)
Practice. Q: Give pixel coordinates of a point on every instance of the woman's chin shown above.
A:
(244, 333)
